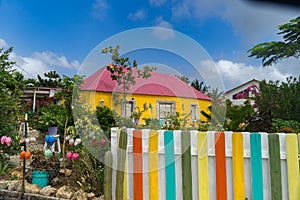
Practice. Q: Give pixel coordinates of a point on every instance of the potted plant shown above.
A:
(43, 165)
(51, 117)
(136, 116)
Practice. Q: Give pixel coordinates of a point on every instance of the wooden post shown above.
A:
(24, 160)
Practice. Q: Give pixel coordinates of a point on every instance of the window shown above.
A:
(165, 109)
(194, 112)
(128, 108)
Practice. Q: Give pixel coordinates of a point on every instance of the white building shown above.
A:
(236, 94)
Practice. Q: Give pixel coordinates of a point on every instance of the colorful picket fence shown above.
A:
(209, 165)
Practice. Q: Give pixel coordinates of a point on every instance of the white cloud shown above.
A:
(252, 21)
(100, 9)
(41, 62)
(138, 15)
(51, 58)
(164, 29)
(2, 43)
(234, 74)
(157, 2)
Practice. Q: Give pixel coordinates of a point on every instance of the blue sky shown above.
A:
(61, 34)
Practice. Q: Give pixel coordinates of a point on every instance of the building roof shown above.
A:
(157, 84)
(242, 85)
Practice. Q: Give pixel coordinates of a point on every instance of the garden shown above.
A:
(69, 162)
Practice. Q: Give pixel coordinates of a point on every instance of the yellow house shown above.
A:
(157, 97)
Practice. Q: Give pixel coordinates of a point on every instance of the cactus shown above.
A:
(121, 164)
(108, 176)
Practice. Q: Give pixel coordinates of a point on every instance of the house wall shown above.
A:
(229, 95)
(183, 105)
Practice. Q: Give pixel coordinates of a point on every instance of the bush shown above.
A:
(287, 126)
(51, 115)
(105, 118)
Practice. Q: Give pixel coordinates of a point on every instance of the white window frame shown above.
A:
(195, 114)
(130, 108)
(165, 102)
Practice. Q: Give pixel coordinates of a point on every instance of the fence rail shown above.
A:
(208, 165)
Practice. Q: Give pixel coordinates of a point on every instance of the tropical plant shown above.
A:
(52, 79)
(11, 84)
(51, 115)
(105, 118)
(217, 110)
(153, 124)
(200, 86)
(183, 78)
(272, 52)
(3, 169)
(286, 126)
(238, 116)
(69, 92)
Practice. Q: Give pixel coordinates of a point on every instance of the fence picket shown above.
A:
(256, 167)
(238, 166)
(275, 168)
(203, 180)
(221, 185)
(293, 166)
(153, 165)
(171, 165)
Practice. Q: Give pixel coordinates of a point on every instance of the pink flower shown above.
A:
(75, 156)
(3, 139)
(102, 143)
(8, 141)
(69, 155)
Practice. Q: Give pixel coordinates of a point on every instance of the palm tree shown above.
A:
(199, 86)
(217, 110)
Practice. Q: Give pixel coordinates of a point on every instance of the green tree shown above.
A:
(69, 92)
(52, 79)
(124, 71)
(105, 118)
(217, 110)
(272, 52)
(184, 79)
(238, 116)
(11, 84)
(199, 86)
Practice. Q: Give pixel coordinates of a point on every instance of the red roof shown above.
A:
(157, 84)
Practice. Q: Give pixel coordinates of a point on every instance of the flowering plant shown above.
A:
(41, 162)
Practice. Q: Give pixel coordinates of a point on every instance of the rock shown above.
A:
(90, 195)
(55, 181)
(65, 192)
(20, 186)
(3, 185)
(32, 188)
(13, 185)
(48, 191)
(68, 172)
(80, 195)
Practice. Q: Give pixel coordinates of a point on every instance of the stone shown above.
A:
(3, 185)
(65, 192)
(13, 185)
(68, 172)
(32, 188)
(90, 195)
(48, 191)
(80, 195)
(55, 181)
